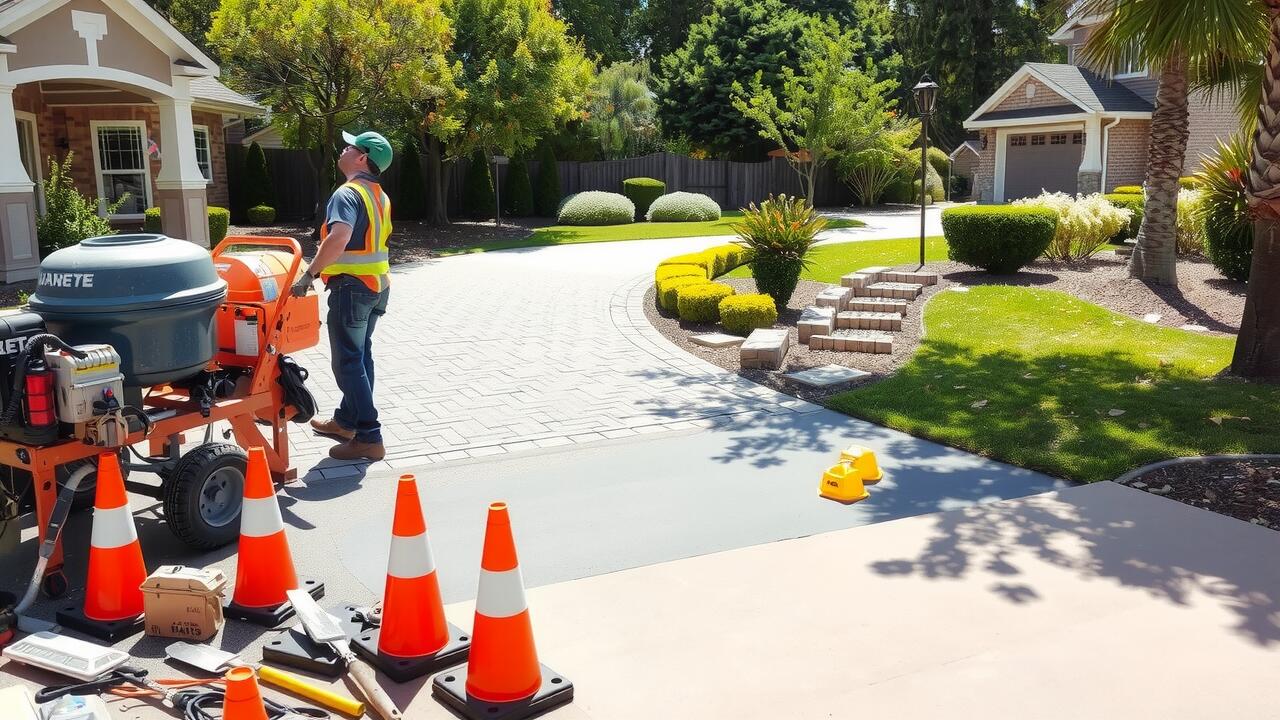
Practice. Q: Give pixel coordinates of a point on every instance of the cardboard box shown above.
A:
(183, 602)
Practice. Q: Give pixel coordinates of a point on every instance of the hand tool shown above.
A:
(324, 628)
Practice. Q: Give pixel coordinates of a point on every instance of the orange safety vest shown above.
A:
(370, 262)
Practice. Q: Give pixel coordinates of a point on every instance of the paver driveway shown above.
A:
(496, 352)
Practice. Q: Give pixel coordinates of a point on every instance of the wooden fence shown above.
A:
(731, 184)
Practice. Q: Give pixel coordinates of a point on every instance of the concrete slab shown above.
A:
(827, 375)
(1096, 602)
(717, 340)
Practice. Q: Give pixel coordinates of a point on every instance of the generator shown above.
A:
(129, 343)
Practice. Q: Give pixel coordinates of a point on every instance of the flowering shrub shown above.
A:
(1191, 222)
(1085, 223)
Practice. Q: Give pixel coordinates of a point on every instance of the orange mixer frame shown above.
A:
(286, 324)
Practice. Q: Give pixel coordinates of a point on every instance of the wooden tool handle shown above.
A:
(373, 692)
(304, 688)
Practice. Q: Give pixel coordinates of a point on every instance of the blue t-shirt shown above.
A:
(347, 207)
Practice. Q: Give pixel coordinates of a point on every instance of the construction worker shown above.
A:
(353, 263)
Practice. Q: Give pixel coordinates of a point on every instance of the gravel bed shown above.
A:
(1247, 490)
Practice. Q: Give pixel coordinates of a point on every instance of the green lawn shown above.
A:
(829, 262)
(1035, 377)
(573, 234)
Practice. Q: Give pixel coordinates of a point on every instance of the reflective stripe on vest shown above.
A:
(372, 260)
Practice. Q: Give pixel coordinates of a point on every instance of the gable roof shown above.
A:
(1086, 92)
(208, 92)
(973, 146)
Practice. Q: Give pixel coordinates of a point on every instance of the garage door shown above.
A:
(1035, 161)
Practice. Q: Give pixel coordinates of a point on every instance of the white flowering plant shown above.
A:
(1085, 223)
(1191, 206)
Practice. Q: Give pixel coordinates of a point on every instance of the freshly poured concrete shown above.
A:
(1090, 602)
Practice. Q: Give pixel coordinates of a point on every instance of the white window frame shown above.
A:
(1131, 70)
(38, 170)
(141, 125)
(208, 146)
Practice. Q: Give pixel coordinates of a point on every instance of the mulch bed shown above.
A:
(414, 241)
(1247, 490)
(1203, 298)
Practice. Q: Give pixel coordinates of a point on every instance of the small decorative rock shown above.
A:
(833, 297)
(1151, 318)
(816, 321)
(959, 288)
(1195, 328)
(717, 340)
(765, 348)
(1162, 490)
(1139, 486)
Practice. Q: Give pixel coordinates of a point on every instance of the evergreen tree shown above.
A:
(665, 23)
(546, 196)
(258, 189)
(608, 28)
(517, 191)
(477, 189)
(410, 202)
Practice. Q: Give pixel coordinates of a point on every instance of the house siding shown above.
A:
(1044, 97)
(74, 124)
(1127, 153)
(984, 181)
(1209, 121)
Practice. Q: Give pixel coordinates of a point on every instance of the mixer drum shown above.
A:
(151, 297)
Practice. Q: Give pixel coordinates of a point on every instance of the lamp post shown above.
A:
(926, 96)
(498, 161)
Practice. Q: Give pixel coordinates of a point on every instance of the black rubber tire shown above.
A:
(184, 489)
(88, 486)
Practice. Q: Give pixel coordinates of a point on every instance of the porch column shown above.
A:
(180, 188)
(19, 251)
(1089, 177)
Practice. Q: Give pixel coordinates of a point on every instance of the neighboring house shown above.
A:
(964, 163)
(248, 131)
(136, 102)
(1062, 127)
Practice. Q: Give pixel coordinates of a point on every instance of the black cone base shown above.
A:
(405, 669)
(113, 631)
(450, 689)
(271, 616)
(294, 649)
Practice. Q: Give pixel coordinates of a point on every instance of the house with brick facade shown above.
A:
(137, 104)
(1063, 127)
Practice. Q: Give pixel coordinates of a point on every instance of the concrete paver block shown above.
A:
(717, 340)
(917, 277)
(875, 273)
(901, 291)
(860, 320)
(855, 280)
(878, 305)
(765, 348)
(815, 321)
(827, 375)
(833, 297)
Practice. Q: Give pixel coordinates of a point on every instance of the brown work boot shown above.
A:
(331, 428)
(355, 450)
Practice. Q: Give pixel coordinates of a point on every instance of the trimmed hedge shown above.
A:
(662, 272)
(546, 188)
(998, 238)
(714, 261)
(740, 314)
(701, 303)
(261, 215)
(219, 221)
(683, 207)
(668, 288)
(517, 190)
(1128, 202)
(643, 191)
(1127, 190)
(479, 201)
(595, 207)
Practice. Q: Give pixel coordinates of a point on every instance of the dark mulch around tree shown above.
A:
(1247, 490)
(413, 241)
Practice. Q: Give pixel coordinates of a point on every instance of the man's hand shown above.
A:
(302, 285)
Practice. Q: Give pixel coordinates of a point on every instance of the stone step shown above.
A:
(880, 305)
(919, 278)
(765, 348)
(834, 297)
(855, 320)
(856, 280)
(901, 291)
(816, 321)
(865, 341)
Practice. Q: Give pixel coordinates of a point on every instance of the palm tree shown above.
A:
(1258, 345)
(1181, 41)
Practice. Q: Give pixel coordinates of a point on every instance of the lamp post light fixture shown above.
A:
(926, 97)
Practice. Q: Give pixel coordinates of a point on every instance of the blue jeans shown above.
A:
(354, 310)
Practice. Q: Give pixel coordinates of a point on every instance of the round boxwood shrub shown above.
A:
(1128, 202)
(643, 191)
(663, 272)
(219, 221)
(740, 314)
(595, 207)
(261, 215)
(667, 290)
(701, 303)
(998, 238)
(1127, 190)
(151, 220)
(683, 207)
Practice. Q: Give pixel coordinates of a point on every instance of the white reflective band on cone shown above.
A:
(501, 594)
(260, 517)
(410, 557)
(112, 528)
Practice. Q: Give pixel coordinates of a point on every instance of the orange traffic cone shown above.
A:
(113, 591)
(502, 678)
(264, 568)
(243, 699)
(414, 638)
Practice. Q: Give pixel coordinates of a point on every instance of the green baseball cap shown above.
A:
(374, 145)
